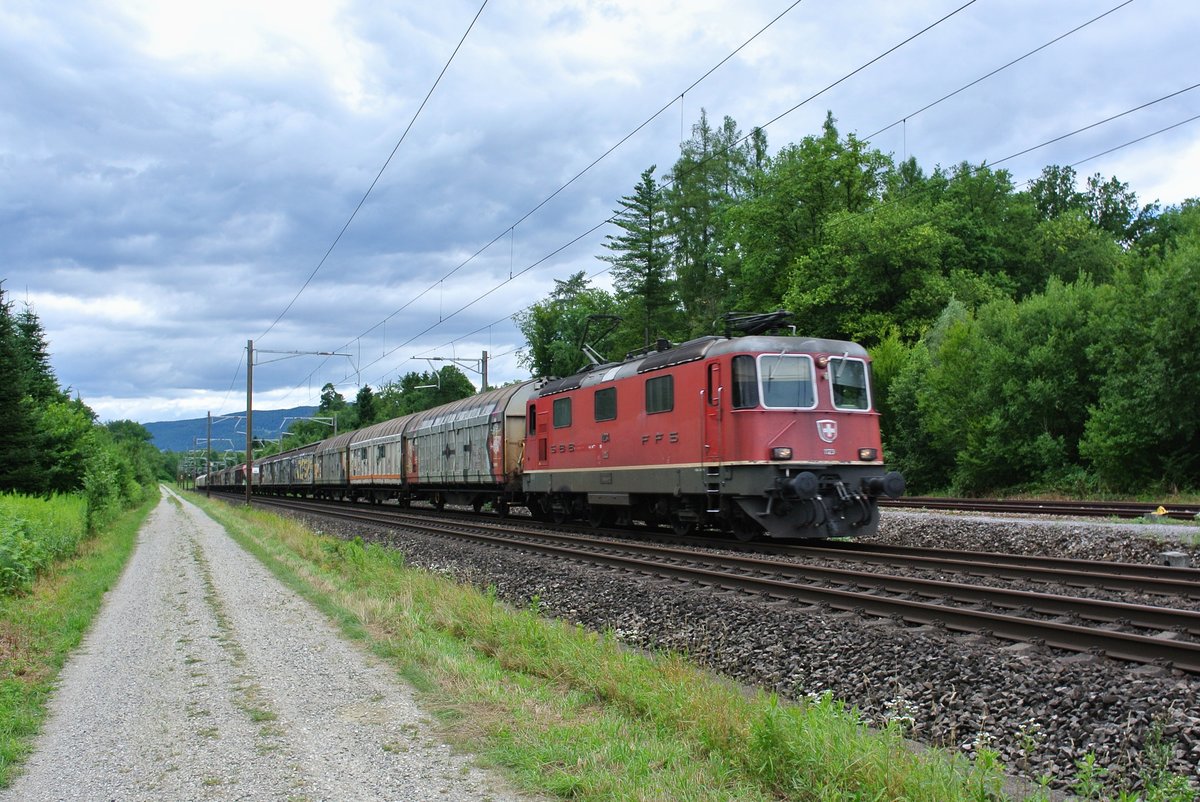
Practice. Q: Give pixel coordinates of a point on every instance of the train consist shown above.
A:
(754, 435)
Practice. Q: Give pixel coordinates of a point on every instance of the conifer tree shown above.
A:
(18, 454)
(640, 268)
(41, 383)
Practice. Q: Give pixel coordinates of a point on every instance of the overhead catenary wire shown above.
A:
(378, 175)
(777, 118)
(924, 108)
(510, 230)
(608, 220)
(1097, 123)
(872, 209)
(999, 69)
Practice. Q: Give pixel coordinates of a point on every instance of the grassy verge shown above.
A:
(40, 626)
(574, 714)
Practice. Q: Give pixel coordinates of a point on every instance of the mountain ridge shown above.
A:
(190, 434)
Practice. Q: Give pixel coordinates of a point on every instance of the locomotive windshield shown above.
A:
(848, 378)
(787, 381)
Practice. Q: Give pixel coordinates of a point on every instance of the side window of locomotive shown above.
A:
(848, 379)
(532, 419)
(660, 394)
(787, 381)
(562, 413)
(606, 404)
(745, 383)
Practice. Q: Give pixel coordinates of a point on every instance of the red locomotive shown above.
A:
(751, 435)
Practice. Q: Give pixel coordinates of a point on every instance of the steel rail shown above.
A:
(1089, 509)
(885, 552)
(1151, 579)
(753, 579)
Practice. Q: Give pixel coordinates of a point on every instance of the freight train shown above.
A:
(752, 435)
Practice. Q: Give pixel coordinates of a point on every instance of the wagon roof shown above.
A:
(334, 443)
(385, 429)
(291, 452)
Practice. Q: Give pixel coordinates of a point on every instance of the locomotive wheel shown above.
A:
(743, 528)
(598, 517)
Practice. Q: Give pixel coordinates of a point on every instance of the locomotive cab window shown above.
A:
(660, 394)
(787, 381)
(562, 413)
(848, 383)
(606, 404)
(745, 383)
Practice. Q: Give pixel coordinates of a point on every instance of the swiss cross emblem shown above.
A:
(827, 429)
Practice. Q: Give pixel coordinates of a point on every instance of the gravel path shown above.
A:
(204, 678)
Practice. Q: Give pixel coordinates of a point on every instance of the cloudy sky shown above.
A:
(174, 176)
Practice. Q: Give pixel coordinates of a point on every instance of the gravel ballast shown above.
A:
(203, 678)
(1041, 709)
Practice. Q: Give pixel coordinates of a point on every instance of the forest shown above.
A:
(1038, 337)
(53, 444)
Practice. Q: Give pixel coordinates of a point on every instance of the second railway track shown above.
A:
(1083, 509)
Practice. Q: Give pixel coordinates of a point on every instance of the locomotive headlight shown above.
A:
(867, 454)
(781, 453)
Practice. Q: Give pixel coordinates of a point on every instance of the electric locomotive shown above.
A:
(755, 435)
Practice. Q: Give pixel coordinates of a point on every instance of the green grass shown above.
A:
(34, 532)
(565, 711)
(575, 714)
(40, 626)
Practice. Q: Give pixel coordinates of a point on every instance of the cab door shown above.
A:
(538, 429)
(712, 399)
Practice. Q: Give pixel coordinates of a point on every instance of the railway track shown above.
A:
(1161, 635)
(1085, 509)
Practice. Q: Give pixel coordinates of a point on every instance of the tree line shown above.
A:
(1041, 336)
(413, 392)
(53, 444)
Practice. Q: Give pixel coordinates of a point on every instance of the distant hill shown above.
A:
(228, 432)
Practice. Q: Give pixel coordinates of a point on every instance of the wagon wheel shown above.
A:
(477, 505)
(745, 531)
(501, 508)
(683, 526)
(439, 502)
